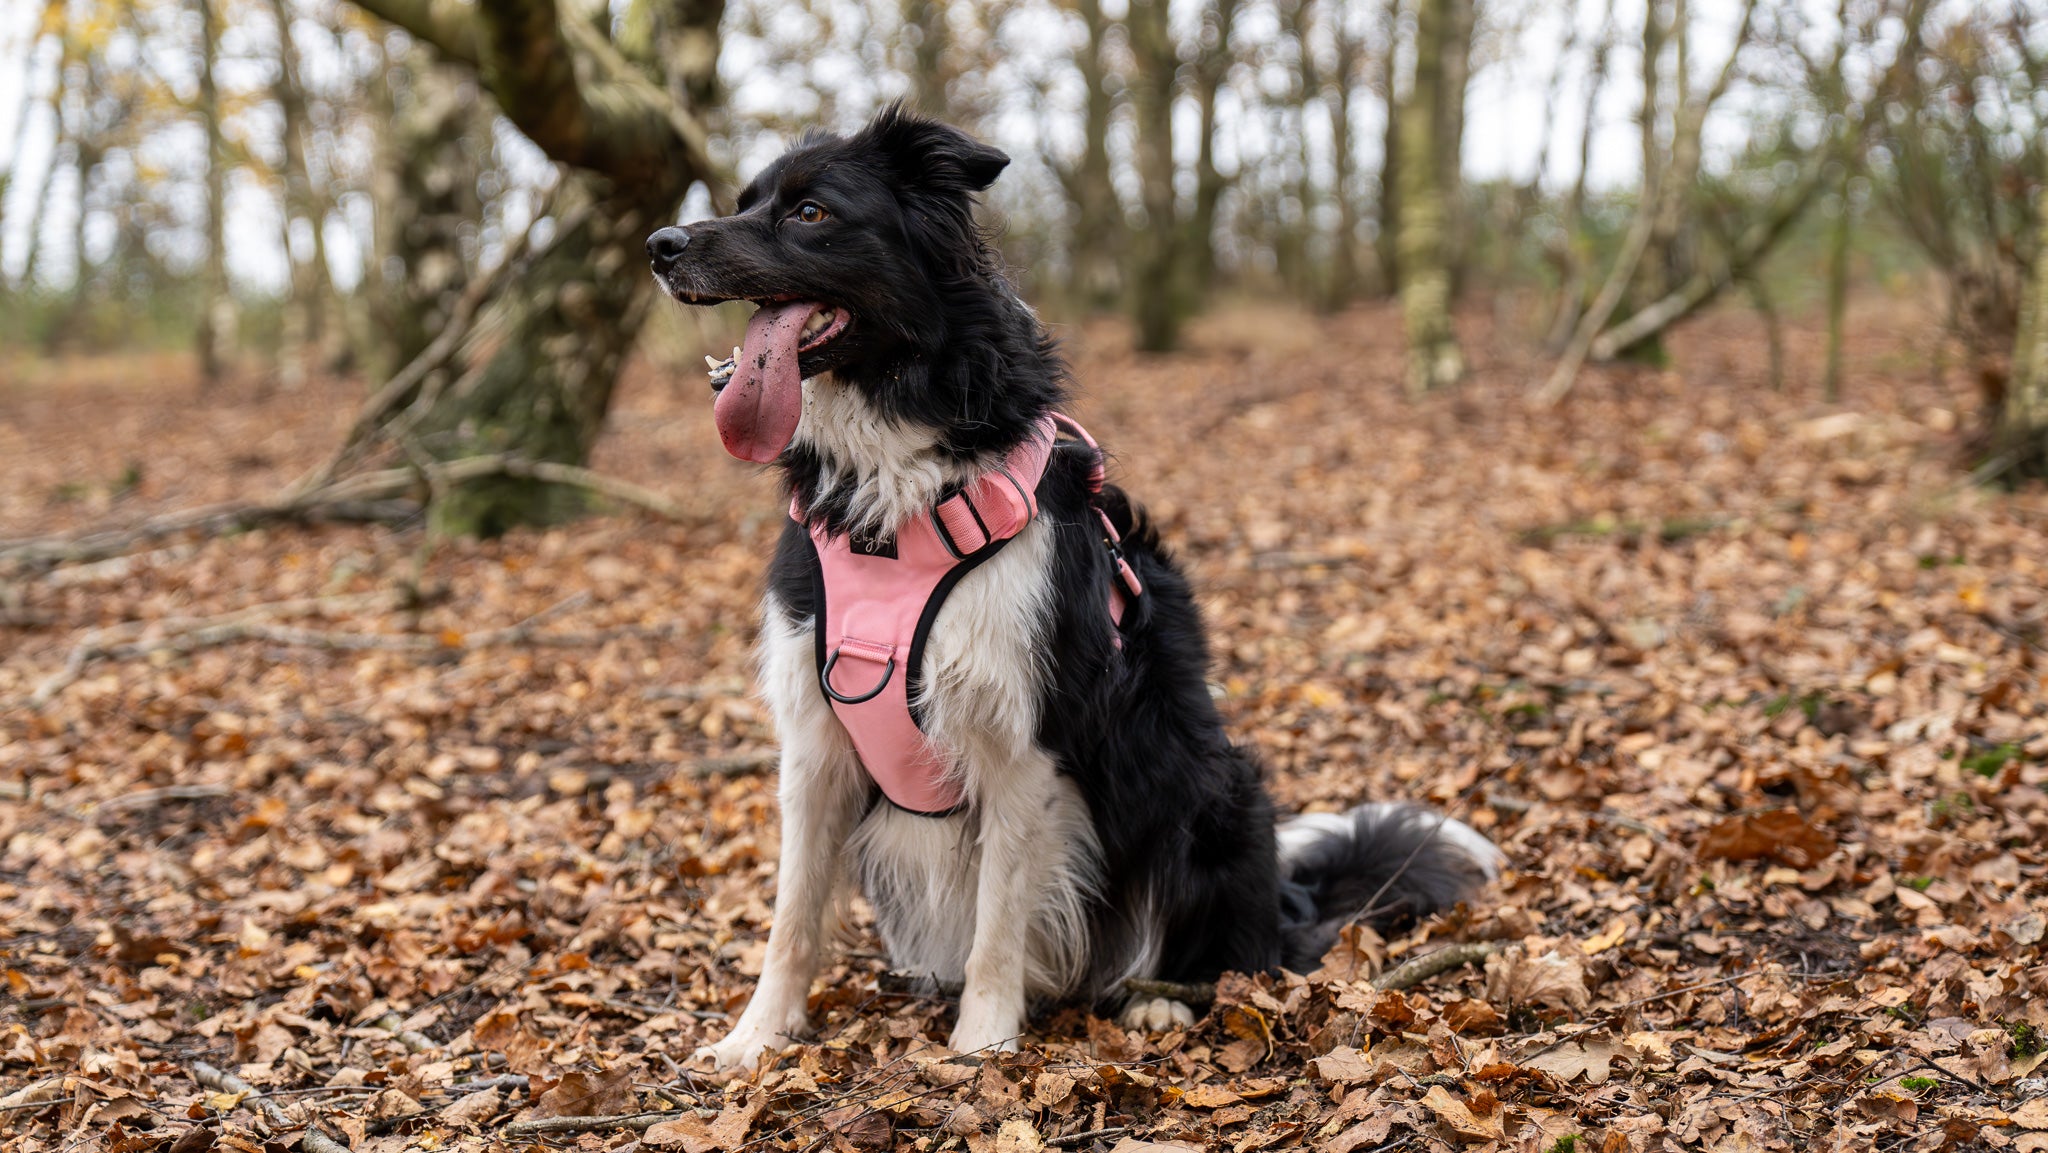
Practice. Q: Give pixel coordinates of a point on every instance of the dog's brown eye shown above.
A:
(810, 213)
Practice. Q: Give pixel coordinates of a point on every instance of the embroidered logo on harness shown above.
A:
(881, 546)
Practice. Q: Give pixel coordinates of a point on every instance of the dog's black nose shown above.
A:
(666, 246)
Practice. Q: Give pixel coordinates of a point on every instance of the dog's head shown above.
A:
(850, 246)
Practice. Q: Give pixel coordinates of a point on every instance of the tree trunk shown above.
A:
(1155, 293)
(305, 312)
(1456, 58)
(569, 322)
(1387, 243)
(535, 376)
(215, 335)
(1434, 359)
(1344, 247)
(53, 20)
(88, 149)
(2022, 423)
(427, 204)
(1838, 288)
(1294, 230)
(1212, 67)
(927, 55)
(1094, 213)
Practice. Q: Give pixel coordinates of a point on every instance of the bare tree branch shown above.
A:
(447, 25)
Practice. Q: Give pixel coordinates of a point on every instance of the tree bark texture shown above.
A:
(435, 144)
(1459, 20)
(1093, 211)
(568, 323)
(536, 375)
(2022, 430)
(1839, 239)
(304, 333)
(927, 18)
(216, 306)
(1434, 359)
(1388, 242)
(1212, 68)
(1155, 292)
(1344, 247)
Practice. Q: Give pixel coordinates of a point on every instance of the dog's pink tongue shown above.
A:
(758, 409)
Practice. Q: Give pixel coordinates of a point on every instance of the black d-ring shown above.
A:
(825, 681)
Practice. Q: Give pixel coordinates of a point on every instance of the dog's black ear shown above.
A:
(938, 156)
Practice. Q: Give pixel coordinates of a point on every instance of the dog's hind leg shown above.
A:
(823, 794)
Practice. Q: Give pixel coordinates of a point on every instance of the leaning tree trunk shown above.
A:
(1155, 293)
(1434, 359)
(431, 148)
(535, 375)
(2022, 430)
(569, 320)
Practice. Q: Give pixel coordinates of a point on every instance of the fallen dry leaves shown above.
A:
(1750, 690)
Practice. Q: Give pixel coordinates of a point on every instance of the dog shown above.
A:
(1101, 824)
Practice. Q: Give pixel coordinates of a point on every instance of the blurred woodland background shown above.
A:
(447, 200)
(1618, 423)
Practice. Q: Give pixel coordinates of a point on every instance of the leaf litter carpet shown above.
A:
(450, 846)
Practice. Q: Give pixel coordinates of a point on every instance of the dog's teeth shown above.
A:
(737, 352)
(711, 362)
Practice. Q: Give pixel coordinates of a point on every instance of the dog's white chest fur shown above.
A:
(983, 675)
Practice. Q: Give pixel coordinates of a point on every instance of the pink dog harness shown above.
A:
(878, 600)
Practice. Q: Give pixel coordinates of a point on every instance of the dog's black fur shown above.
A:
(939, 339)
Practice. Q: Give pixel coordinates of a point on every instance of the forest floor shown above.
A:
(426, 843)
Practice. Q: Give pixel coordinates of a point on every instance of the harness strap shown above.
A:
(1127, 589)
(878, 599)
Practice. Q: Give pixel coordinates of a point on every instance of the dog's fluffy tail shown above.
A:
(1384, 865)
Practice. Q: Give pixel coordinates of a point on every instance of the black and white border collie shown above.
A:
(1110, 828)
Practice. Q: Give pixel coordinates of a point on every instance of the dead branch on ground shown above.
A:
(185, 637)
(312, 1140)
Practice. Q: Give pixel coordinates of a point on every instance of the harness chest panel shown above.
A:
(877, 600)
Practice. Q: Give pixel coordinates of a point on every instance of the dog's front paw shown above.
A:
(986, 1032)
(1155, 1015)
(742, 1049)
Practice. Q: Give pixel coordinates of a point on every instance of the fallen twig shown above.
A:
(366, 494)
(413, 1040)
(190, 636)
(313, 1140)
(637, 1122)
(740, 763)
(150, 798)
(36, 1094)
(1186, 992)
(1416, 970)
(1065, 1140)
